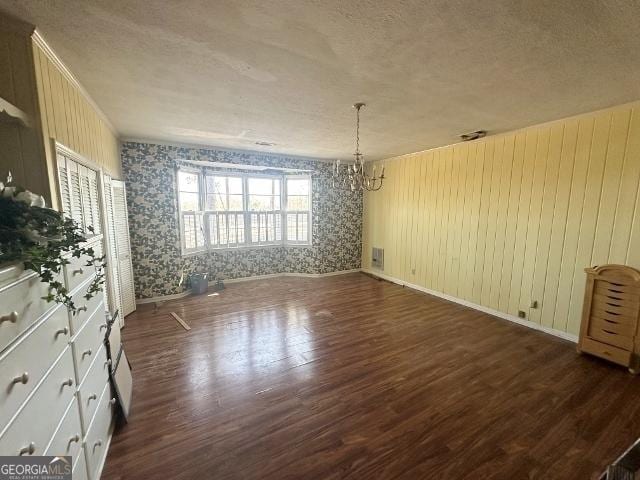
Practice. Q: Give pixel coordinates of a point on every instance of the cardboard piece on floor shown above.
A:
(123, 383)
(180, 321)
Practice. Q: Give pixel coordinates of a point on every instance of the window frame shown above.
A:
(286, 211)
(206, 215)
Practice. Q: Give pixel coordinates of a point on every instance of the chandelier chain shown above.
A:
(356, 176)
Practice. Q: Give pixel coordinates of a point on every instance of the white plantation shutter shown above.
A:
(78, 186)
(76, 211)
(95, 206)
(63, 183)
(298, 216)
(113, 275)
(123, 247)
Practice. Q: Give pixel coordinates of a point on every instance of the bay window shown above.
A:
(225, 211)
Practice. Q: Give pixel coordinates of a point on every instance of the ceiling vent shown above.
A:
(466, 137)
(265, 144)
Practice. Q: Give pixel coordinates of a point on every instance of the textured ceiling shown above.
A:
(232, 73)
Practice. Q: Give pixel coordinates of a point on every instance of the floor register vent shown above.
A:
(377, 258)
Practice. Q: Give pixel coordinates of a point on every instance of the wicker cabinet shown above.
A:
(610, 314)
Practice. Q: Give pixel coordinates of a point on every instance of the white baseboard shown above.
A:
(175, 296)
(490, 311)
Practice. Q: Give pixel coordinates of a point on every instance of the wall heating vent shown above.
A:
(377, 258)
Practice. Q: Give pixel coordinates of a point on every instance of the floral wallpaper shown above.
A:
(149, 171)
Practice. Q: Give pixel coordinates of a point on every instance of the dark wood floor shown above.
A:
(350, 377)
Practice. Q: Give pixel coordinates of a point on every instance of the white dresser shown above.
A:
(55, 397)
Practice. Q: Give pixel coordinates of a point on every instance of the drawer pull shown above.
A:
(74, 439)
(23, 379)
(107, 363)
(68, 382)
(29, 449)
(86, 352)
(62, 331)
(93, 396)
(10, 317)
(82, 309)
(79, 271)
(97, 444)
(112, 401)
(104, 325)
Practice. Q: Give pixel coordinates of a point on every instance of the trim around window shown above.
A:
(205, 229)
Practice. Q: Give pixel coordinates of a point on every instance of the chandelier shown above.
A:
(353, 176)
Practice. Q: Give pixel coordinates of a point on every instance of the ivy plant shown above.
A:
(44, 240)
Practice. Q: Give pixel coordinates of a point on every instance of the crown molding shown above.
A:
(39, 40)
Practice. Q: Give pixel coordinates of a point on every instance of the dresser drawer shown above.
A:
(25, 363)
(608, 352)
(68, 437)
(87, 342)
(98, 435)
(21, 305)
(92, 386)
(610, 337)
(77, 271)
(85, 308)
(79, 471)
(36, 422)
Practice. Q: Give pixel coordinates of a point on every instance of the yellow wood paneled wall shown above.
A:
(515, 218)
(69, 118)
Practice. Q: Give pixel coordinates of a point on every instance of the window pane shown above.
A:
(235, 185)
(216, 184)
(260, 186)
(235, 203)
(298, 186)
(297, 202)
(216, 193)
(261, 202)
(188, 202)
(216, 202)
(187, 182)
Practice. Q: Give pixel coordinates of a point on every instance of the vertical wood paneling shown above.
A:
(559, 222)
(70, 119)
(549, 189)
(515, 218)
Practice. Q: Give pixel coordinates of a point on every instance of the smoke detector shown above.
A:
(466, 137)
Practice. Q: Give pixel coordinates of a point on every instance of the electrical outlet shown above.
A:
(413, 271)
(522, 314)
(534, 304)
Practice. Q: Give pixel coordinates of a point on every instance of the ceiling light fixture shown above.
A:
(467, 137)
(353, 176)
